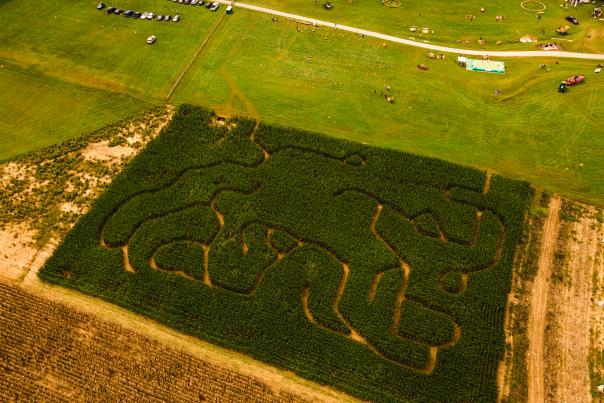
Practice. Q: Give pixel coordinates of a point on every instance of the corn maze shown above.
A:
(381, 273)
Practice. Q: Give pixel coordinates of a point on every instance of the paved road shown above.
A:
(436, 48)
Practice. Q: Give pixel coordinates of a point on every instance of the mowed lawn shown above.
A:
(451, 23)
(78, 69)
(37, 110)
(331, 82)
(70, 69)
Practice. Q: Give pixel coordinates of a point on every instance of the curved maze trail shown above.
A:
(377, 272)
(404, 267)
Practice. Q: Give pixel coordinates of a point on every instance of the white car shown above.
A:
(214, 6)
(144, 15)
(193, 2)
(160, 17)
(150, 16)
(176, 18)
(151, 40)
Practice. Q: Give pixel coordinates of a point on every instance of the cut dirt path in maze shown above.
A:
(537, 319)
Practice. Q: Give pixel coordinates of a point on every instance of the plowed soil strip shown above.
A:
(536, 326)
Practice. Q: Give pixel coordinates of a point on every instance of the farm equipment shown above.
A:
(574, 80)
(562, 87)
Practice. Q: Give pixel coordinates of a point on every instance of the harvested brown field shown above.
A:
(74, 355)
(51, 352)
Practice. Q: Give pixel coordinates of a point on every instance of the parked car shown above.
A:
(160, 17)
(214, 6)
(209, 4)
(193, 2)
(111, 10)
(201, 3)
(144, 16)
(186, 1)
(118, 11)
(136, 15)
(572, 19)
(128, 13)
(168, 17)
(229, 10)
(327, 5)
(150, 16)
(151, 40)
(100, 6)
(176, 18)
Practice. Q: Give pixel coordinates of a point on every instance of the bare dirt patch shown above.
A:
(102, 151)
(16, 251)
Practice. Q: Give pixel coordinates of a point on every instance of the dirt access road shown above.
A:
(395, 39)
(536, 325)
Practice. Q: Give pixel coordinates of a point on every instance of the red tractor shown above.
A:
(574, 80)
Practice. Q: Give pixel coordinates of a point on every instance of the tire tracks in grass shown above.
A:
(203, 44)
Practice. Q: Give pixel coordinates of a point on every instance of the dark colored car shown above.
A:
(201, 3)
(128, 13)
(100, 6)
(572, 19)
(208, 4)
(111, 10)
(137, 14)
(118, 11)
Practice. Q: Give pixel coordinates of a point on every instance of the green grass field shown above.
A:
(378, 272)
(331, 82)
(326, 81)
(450, 25)
(72, 69)
(37, 110)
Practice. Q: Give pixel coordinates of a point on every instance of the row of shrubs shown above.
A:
(293, 223)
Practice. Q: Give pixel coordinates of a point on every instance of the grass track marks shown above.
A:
(203, 44)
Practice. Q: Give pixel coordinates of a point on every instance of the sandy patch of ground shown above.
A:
(528, 39)
(17, 251)
(101, 151)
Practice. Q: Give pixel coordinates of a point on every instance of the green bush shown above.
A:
(317, 255)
